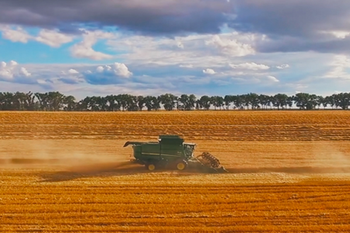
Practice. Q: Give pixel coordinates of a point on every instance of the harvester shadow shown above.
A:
(296, 170)
(89, 171)
(101, 170)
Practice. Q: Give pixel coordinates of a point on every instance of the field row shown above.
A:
(212, 125)
(182, 203)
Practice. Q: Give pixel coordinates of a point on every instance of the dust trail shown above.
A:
(330, 158)
(51, 154)
(316, 158)
(98, 167)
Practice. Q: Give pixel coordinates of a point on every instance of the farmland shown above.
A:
(68, 172)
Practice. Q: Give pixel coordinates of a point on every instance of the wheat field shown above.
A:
(68, 172)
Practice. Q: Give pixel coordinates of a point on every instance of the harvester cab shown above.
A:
(171, 152)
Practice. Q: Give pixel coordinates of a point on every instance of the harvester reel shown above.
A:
(209, 160)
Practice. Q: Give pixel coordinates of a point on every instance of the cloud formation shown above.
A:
(208, 46)
(283, 66)
(11, 72)
(195, 51)
(53, 38)
(84, 48)
(147, 17)
(321, 27)
(250, 66)
(272, 78)
(295, 25)
(339, 65)
(17, 34)
(231, 47)
(108, 74)
(209, 71)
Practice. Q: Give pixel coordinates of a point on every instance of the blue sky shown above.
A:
(212, 47)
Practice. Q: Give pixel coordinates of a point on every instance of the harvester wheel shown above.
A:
(181, 165)
(151, 167)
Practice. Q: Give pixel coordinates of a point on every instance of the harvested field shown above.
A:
(210, 125)
(68, 172)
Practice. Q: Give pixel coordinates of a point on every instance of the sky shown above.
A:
(202, 47)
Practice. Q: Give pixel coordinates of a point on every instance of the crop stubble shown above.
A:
(67, 172)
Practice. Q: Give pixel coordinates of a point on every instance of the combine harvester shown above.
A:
(171, 152)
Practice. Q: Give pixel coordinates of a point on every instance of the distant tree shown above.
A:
(19, 101)
(217, 101)
(265, 101)
(187, 102)
(305, 101)
(69, 103)
(204, 102)
(112, 103)
(280, 101)
(342, 100)
(140, 102)
(168, 101)
(55, 101)
(238, 101)
(7, 101)
(228, 100)
(152, 103)
(329, 100)
(253, 100)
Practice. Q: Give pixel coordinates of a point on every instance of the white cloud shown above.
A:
(24, 72)
(118, 69)
(2, 64)
(209, 71)
(5, 72)
(338, 34)
(340, 63)
(186, 66)
(53, 38)
(197, 50)
(283, 66)
(84, 48)
(107, 74)
(250, 66)
(13, 63)
(121, 70)
(272, 78)
(99, 69)
(180, 45)
(70, 78)
(11, 71)
(15, 35)
(73, 71)
(42, 82)
(231, 47)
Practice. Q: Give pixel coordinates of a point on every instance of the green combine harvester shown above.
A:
(171, 152)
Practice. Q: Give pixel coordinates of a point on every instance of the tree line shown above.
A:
(56, 101)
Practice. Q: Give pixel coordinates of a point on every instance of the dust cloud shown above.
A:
(329, 158)
(99, 156)
(69, 155)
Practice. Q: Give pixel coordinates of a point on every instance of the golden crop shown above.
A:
(67, 172)
(201, 125)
